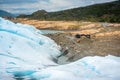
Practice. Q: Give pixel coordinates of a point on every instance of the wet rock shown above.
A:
(65, 52)
(77, 36)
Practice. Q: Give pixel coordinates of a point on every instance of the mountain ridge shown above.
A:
(5, 13)
(104, 12)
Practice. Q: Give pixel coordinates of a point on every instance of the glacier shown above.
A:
(26, 54)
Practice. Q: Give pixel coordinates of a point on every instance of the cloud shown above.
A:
(29, 6)
(17, 1)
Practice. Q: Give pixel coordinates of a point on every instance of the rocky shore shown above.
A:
(75, 48)
(104, 38)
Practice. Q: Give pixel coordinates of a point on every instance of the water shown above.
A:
(51, 31)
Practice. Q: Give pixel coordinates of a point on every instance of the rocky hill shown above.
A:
(105, 12)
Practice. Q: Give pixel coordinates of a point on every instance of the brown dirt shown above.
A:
(63, 25)
(96, 46)
(105, 37)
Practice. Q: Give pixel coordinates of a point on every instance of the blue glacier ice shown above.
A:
(25, 54)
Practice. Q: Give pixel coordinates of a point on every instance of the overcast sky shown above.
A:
(29, 6)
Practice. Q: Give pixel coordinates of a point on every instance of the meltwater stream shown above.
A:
(25, 54)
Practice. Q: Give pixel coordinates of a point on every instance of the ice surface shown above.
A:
(25, 54)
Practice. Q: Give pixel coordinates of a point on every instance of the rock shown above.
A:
(77, 35)
(65, 52)
(78, 41)
(87, 36)
(80, 35)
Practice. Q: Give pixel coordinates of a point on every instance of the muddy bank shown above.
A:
(74, 48)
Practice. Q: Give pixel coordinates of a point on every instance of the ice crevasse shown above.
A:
(25, 54)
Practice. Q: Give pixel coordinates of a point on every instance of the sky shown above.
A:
(30, 6)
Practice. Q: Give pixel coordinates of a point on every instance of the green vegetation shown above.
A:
(105, 12)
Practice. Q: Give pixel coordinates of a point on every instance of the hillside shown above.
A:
(4, 13)
(105, 12)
